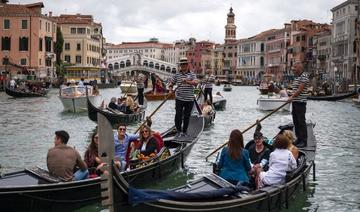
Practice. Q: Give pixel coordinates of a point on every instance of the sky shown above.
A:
(171, 20)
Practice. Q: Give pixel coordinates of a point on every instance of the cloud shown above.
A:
(139, 20)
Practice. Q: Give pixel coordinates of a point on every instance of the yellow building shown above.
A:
(83, 44)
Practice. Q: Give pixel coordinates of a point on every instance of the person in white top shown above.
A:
(81, 83)
(12, 84)
(281, 160)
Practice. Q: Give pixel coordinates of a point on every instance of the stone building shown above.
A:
(343, 55)
(199, 56)
(230, 47)
(27, 40)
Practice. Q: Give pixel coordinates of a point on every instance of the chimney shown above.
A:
(50, 13)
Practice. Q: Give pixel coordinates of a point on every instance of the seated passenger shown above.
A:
(121, 140)
(63, 159)
(259, 153)
(159, 86)
(283, 93)
(207, 108)
(91, 157)
(147, 141)
(129, 104)
(234, 162)
(113, 104)
(293, 149)
(219, 94)
(281, 161)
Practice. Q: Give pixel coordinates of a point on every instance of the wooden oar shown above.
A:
(162, 103)
(128, 89)
(272, 112)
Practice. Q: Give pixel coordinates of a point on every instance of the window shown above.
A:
(5, 43)
(23, 44)
(67, 58)
(81, 30)
(40, 62)
(78, 46)
(297, 38)
(303, 38)
(67, 46)
(48, 42)
(23, 61)
(40, 24)
(6, 24)
(40, 45)
(24, 24)
(88, 31)
(5, 61)
(78, 59)
(73, 30)
(48, 62)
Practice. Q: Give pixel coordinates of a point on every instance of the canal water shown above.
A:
(27, 131)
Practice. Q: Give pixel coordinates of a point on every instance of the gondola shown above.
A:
(334, 97)
(209, 118)
(17, 93)
(35, 190)
(212, 193)
(227, 87)
(114, 117)
(150, 96)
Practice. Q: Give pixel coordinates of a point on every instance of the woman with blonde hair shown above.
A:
(147, 141)
(293, 149)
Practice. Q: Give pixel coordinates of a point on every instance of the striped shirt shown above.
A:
(209, 80)
(140, 82)
(303, 78)
(184, 92)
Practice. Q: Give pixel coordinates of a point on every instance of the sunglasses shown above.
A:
(96, 137)
(145, 131)
(122, 129)
(257, 138)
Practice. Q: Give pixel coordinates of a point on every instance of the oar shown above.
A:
(162, 103)
(128, 89)
(272, 112)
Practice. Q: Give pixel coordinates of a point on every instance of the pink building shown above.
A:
(199, 56)
(27, 40)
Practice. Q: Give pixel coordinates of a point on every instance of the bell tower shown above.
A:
(230, 28)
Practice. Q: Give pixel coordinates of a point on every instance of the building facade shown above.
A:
(27, 40)
(322, 55)
(83, 40)
(343, 36)
(200, 57)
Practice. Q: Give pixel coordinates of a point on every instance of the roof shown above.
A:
(75, 19)
(146, 44)
(344, 4)
(21, 9)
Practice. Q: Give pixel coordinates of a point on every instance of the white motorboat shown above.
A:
(273, 102)
(356, 101)
(128, 87)
(73, 97)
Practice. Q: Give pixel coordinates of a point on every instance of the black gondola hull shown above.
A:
(19, 94)
(332, 97)
(219, 104)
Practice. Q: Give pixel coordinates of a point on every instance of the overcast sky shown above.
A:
(170, 20)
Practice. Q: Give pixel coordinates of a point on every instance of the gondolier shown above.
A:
(140, 88)
(186, 82)
(298, 99)
(208, 85)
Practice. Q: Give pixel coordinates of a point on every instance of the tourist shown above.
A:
(219, 94)
(209, 79)
(298, 99)
(12, 84)
(293, 149)
(113, 105)
(147, 141)
(140, 88)
(281, 161)
(121, 140)
(283, 93)
(81, 83)
(63, 159)
(185, 80)
(234, 162)
(207, 108)
(259, 153)
(91, 157)
(159, 88)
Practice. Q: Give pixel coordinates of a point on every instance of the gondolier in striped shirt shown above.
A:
(186, 82)
(140, 88)
(298, 99)
(209, 79)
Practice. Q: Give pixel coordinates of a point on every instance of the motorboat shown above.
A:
(73, 97)
(273, 102)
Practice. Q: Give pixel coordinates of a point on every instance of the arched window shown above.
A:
(157, 66)
(110, 66)
(173, 70)
(116, 65)
(151, 65)
(145, 63)
(122, 64)
(128, 63)
(168, 69)
(162, 67)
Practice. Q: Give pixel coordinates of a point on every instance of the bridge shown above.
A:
(128, 65)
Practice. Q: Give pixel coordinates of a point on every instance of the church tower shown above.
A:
(230, 28)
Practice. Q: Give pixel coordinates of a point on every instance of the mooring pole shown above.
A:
(106, 153)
